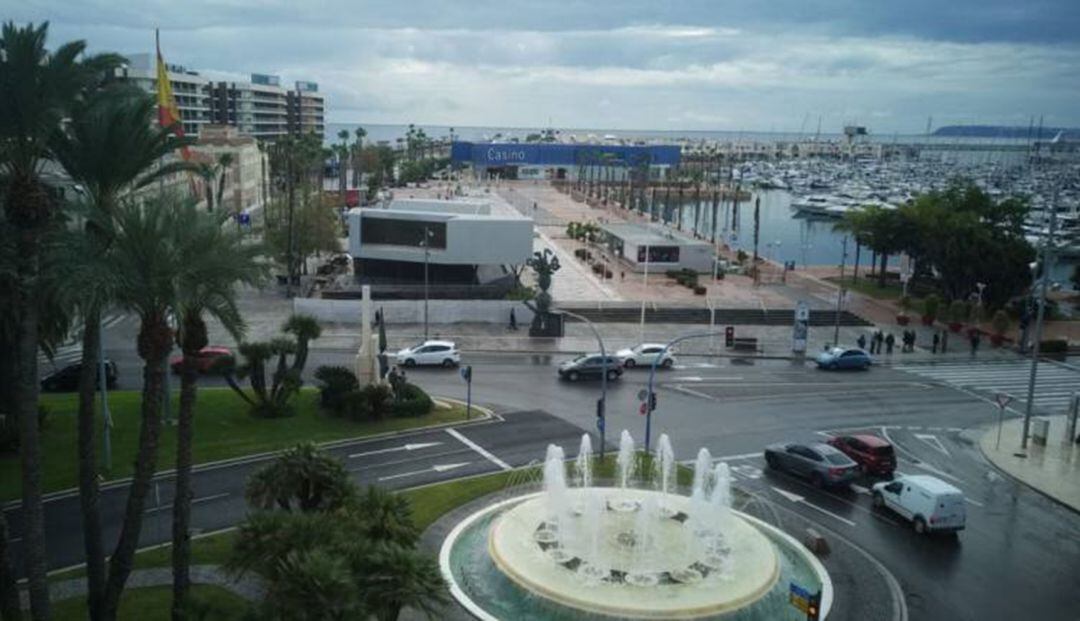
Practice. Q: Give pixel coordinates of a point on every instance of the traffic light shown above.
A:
(466, 373)
(652, 402)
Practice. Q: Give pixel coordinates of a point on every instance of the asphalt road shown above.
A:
(1018, 557)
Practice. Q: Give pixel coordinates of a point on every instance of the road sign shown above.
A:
(466, 373)
(799, 597)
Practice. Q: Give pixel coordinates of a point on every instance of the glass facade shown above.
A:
(394, 232)
(659, 254)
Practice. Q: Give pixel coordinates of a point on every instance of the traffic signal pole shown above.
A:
(650, 395)
(601, 405)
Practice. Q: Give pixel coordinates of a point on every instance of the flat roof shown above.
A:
(650, 235)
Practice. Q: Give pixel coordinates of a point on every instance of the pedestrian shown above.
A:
(974, 342)
(513, 320)
(889, 342)
(937, 340)
(622, 275)
(862, 341)
(879, 338)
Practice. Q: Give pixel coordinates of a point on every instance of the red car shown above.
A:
(873, 454)
(207, 357)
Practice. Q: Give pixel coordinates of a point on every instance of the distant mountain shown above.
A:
(998, 131)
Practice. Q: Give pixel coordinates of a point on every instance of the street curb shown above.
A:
(1018, 480)
(486, 415)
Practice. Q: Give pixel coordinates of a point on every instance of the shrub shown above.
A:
(337, 381)
(905, 303)
(411, 400)
(699, 290)
(674, 274)
(1000, 322)
(581, 253)
(958, 311)
(931, 305)
(372, 402)
(521, 293)
(608, 274)
(741, 256)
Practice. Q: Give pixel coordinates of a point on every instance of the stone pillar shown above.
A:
(367, 368)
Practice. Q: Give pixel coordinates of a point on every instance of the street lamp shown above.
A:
(652, 377)
(1048, 260)
(646, 284)
(426, 243)
(602, 405)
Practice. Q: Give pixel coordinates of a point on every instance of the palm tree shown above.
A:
(216, 260)
(148, 262)
(358, 154)
(40, 89)
(397, 577)
(107, 146)
(213, 176)
(302, 479)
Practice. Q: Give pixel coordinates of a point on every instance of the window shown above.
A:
(855, 444)
(651, 350)
(659, 254)
(395, 232)
(837, 458)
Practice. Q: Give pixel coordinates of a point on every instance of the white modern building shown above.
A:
(658, 246)
(461, 242)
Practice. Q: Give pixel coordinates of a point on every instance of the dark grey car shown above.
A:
(591, 366)
(820, 463)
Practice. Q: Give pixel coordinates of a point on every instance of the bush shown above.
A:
(741, 256)
(931, 305)
(1000, 322)
(412, 401)
(581, 253)
(699, 290)
(905, 303)
(337, 381)
(521, 293)
(673, 274)
(608, 274)
(372, 402)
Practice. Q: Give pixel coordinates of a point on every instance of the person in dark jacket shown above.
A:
(889, 342)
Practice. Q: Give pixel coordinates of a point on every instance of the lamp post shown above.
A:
(645, 282)
(652, 377)
(839, 296)
(426, 243)
(1044, 283)
(601, 406)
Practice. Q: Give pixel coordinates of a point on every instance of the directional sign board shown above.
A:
(642, 395)
(800, 598)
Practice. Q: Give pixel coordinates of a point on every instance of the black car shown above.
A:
(590, 365)
(66, 379)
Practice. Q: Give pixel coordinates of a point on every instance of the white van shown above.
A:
(932, 505)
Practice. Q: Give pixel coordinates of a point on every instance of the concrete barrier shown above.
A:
(412, 311)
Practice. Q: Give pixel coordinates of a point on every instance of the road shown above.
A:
(1016, 559)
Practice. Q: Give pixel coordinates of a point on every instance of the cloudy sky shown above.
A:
(668, 64)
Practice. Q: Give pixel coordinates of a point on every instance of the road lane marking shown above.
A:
(859, 489)
(479, 449)
(194, 501)
(693, 393)
(440, 468)
(793, 497)
(406, 447)
(973, 502)
(934, 443)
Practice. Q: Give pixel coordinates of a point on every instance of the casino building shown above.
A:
(557, 161)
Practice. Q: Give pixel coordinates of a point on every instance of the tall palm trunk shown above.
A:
(881, 272)
(153, 345)
(181, 530)
(27, 210)
(88, 483)
(9, 586)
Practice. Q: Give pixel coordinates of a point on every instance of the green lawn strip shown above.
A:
(869, 287)
(212, 549)
(223, 429)
(154, 604)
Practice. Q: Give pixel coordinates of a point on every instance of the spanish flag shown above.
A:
(168, 113)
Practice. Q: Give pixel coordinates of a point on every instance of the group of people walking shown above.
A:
(880, 341)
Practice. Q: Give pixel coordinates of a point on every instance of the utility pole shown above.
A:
(427, 258)
(840, 296)
(289, 154)
(646, 283)
(1044, 283)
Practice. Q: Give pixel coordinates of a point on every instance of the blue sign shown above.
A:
(800, 591)
(512, 154)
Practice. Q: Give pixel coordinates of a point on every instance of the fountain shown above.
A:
(642, 552)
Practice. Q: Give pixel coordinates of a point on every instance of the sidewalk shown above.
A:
(1053, 469)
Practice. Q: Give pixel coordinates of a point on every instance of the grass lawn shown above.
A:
(153, 604)
(869, 287)
(223, 429)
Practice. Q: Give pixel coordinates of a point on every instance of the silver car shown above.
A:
(820, 463)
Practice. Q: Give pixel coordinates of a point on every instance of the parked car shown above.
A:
(873, 454)
(66, 379)
(590, 365)
(932, 505)
(820, 463)
(205, 360)
(843, 358)
(644, 355)
(443, 353)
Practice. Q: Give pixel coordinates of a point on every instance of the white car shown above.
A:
(932, 505)
(643, 355)
(443, 353)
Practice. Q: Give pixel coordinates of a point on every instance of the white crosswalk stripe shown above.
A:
(1054, 384)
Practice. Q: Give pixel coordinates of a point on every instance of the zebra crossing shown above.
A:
(1054, 385)
(70, 351)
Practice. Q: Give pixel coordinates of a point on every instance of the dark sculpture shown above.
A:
(544, 322)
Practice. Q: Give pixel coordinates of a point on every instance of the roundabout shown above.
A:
(639, 551)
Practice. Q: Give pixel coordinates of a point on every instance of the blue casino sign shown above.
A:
(490, 154)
